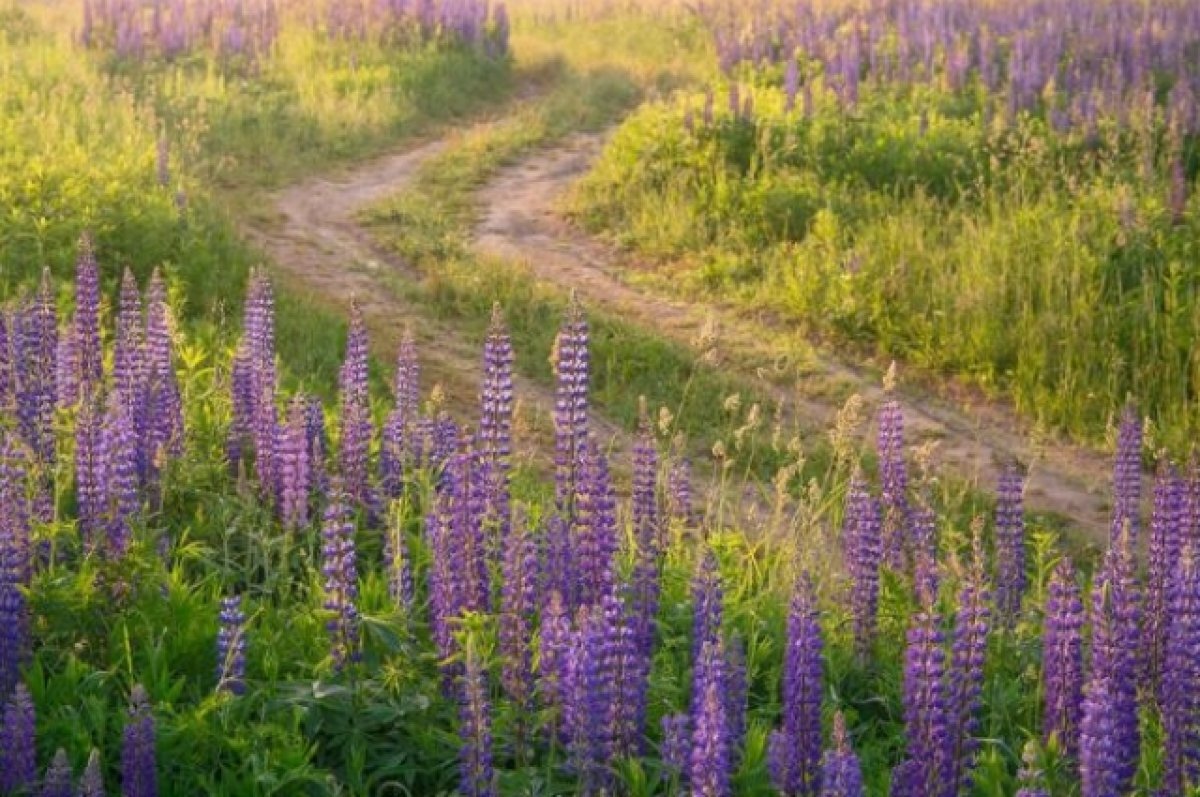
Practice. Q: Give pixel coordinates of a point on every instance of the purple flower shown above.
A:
(475, 756)
(841, 773)
(118, 458)
(231, 647)
(677, 742)
(1109, 735)
(129, 368)
(494, 439)
(927, 708)
(1181, 679)
(339, 567)
(647, 534)
(318, 446)
(554, 644)
(796, 747)
(710, 764)
(355, 422)
(893, 480)
(589, 694)
(18, 749)
(66, 372)
(1010, 543)
(570, 406)
(518, 603)
(92, 782)
(680, 506)
(58, 780)
(15, 561)
(1127, 476)
(163, 402)
(399, 567)
(138, 768)
(293, 466)
(863, 549)
(399, 427)
(1166, 546)
(1062, 659)
(594, 535)
(707, 604)
(965, 686)
(90, 474)
(87, 316)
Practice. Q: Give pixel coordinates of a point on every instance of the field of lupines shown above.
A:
(229, 565)
(996, 191)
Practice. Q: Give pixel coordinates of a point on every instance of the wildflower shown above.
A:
(1010, 544)
(795, 749)
(18, 750)
(841, 773)
(1062, 656)
(475, 756)
(138, 768)
(340, 569)
(231, 647)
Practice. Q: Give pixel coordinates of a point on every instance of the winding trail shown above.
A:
(519, 222)
(315, 240)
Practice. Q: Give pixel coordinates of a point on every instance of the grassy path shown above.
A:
(518, 222)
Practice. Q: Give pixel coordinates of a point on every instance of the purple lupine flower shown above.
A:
(355, 421)
(554, 643)
(518, 603)
(1010, 543)
(35, 350)
(676, 743)
(445, 602)
(58, 780)
(66, 371)
(495, 423)
(118, 456)
(242, 404)
(965, 686)
(339, 567)
(1109, 734)
(647, 534)
(594, 534)
(475, 756)
(91, 784)
(1127, 476)
(139, 776)
(927, 710)
(318, 446)
(796, 747)
(399, 566)
(589, 693)
(841, 773)
(736, 691)
(293, 466)
(259, 379)
(1166, 546)
(129, 368)
(908, 780)
(631, 671)
(923, 530)
(18, 747)
(1028, 776)
(14, 613)
(87, 316)
(90, 473)
(710, 767)
(1181, 679)
(1062, 657)
(163, 401)
(571, 366)
(707, 603)
(399, 428)
(231, 647)
(862, 544)
(893, 481)
(680, 506)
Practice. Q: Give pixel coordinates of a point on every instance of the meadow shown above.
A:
(372, 511)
